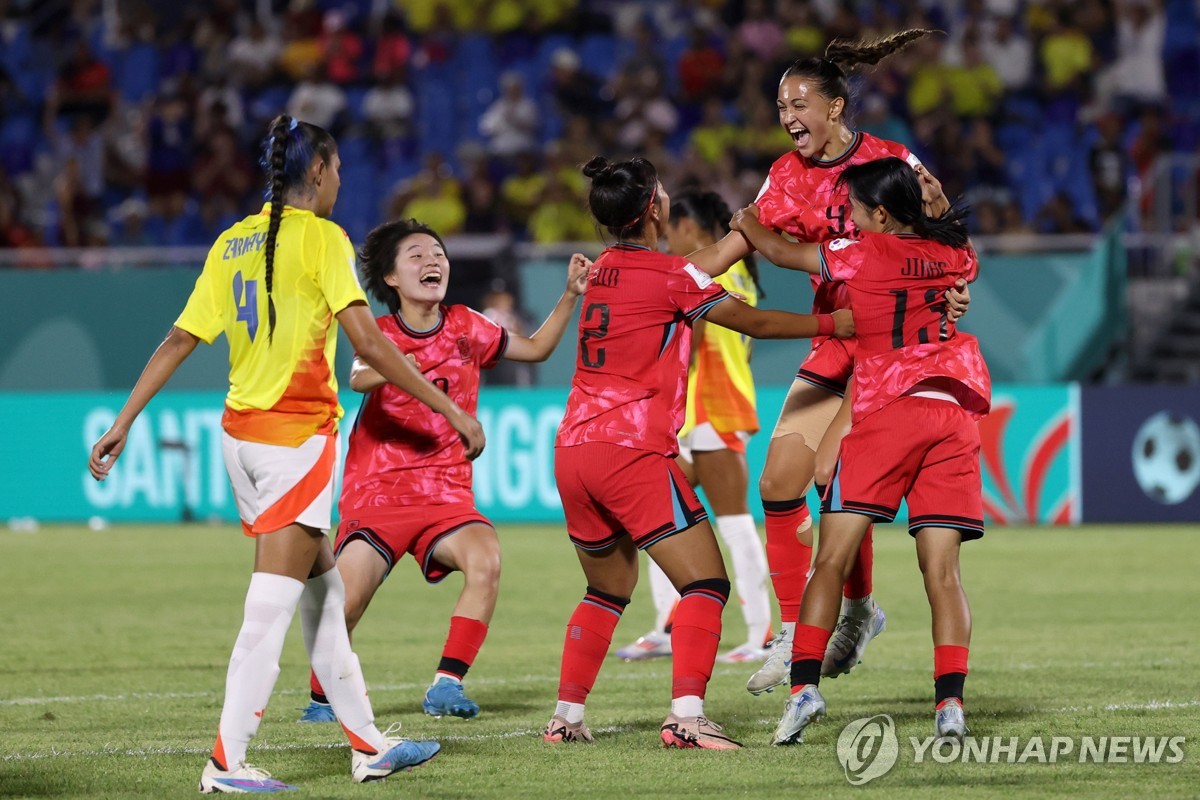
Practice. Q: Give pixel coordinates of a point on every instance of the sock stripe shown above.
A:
(776, 508)
(598, 603)
(611, 599)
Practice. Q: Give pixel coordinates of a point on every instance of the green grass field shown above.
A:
(113, 649)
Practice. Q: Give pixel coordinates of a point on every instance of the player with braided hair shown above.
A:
(802, 197)
(280, 441)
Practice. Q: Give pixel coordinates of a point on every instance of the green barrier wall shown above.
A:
(172, 467)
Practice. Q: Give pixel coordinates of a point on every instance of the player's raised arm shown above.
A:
(718, 257)
(539, 345)
(379, 353)
(766, 324)
(781, 252)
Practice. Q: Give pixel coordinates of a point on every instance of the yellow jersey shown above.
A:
(281, 391)
(720, 386)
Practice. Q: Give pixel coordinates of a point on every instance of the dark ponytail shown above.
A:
(712, 214)
(829, 73)
(622, 193)
(288, 152)
(892, 183)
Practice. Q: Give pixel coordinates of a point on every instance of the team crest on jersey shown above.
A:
(702, 279)
(840, 244)
(464, 349)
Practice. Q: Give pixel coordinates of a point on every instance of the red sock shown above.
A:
(696, 634)
(462, 645)
(589, 633)
(949, 672)
(314, 687)
(808, 650)
(858, 582)
(787, 558)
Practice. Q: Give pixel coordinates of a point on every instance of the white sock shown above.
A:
(788, 629)
(571, 712)
(323, 617)
(749, 571)
(688, 706)
(446, 676)
(664, 595)
(858, 607)
(254, 665)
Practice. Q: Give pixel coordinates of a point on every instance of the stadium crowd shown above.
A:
(135, 122)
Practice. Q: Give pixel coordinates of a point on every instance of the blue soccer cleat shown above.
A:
(401, 755)
(445, 698)
(317, 712)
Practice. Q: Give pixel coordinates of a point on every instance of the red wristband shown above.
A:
(825, 325)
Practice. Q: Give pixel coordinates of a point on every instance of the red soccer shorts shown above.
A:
(394, 531)
(829, 365)
(918, 448)
(609, 491)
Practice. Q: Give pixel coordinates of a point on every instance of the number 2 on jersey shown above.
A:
(901, 311)
(247, 307)
(593, 357)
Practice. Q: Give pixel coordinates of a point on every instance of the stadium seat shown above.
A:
(598, 52)
(136, 71)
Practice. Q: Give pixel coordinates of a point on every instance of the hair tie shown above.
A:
(634, 221)
(292, 125)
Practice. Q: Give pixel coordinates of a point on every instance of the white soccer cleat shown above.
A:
(653, 645)
(776, 669)
(399, 755)
(850, 639)
(950, 722)
(803, 708)
(744, 654)
(243, 779)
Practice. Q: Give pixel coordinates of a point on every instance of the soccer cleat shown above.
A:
(243, 780)
(777, 668)
(317, 712)
(653, 645)
(559, 730)
(400, 755)
(743, 654)
(850, 639)
(695, 732)
(950, 722)
(804, 707)
(445, 698)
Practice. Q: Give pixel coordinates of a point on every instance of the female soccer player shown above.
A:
(802, 198)
(719, 420)
(407, 484)
(277, 284)
(919, 387)
(614, 455)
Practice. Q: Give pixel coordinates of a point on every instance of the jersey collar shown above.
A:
(846, 155)
(630, 246)
(441, 323)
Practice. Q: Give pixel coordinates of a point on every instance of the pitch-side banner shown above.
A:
(172, 468)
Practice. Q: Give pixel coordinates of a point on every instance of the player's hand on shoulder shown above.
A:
(578, 271)
(742, 215)
(932, 197)
(469, 431)
(105, 451)
(843, 323)
(958, 297)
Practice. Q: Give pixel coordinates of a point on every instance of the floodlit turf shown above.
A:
(113, 649)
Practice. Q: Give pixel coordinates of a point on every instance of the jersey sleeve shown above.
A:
(335, 268)
(488, 339)
(692, 291)
(203, 315)
(841, 258)
(970, 265)
(771, 201)
(903, 153)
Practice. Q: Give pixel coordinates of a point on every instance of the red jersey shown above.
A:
(635, 336)
(897, 286)
(401, 452)
(800, 198)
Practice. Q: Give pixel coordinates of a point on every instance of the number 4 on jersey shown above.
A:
(247, 306)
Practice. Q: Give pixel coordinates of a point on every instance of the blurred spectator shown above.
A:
(576, 91)
(644, 107)
(219, 104)
(253, 56)
(13, 231)
(392, 50)
(480, 198)
(511, 121)
(1138, 76)
(129, 228)
(171, 144)
(521, 190)
(319, 101)
(975, 87)
(802, 30)
(388, 108)
(699, 67)
(1059, 216)
(760, 31)
(300, 55)
(715, 134)
(341, 48)
(1109, 165)
(559, 216)
(1066, 55)
(928, 87)
(500, 307)
(433, 197)
(84, 86)
(223, 175)
(1009, 53)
